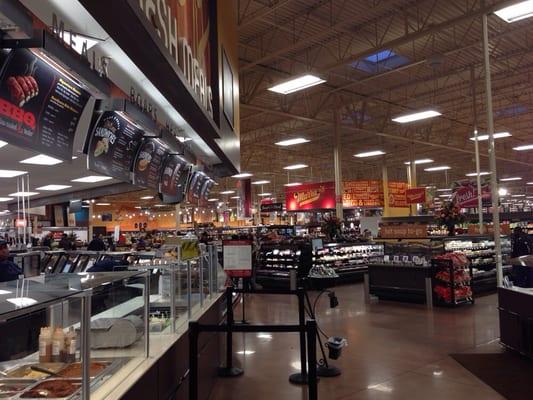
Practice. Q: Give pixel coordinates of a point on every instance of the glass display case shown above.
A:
(276, 260)
(348, 259)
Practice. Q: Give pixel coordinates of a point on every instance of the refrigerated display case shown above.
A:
(275, 261)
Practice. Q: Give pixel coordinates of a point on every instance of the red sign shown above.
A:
(397, 197)
(363, 194)
(20, 223)
(310, 197)
(415, 195)
(465, 194)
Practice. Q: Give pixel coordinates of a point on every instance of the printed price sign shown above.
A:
(237, 258)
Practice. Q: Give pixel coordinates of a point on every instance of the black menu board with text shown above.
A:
(113, 146)
(149, 163)
(174, 179)
(195, 186)
(40, 106)
(206, 188)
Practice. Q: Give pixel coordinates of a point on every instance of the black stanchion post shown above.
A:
(300, 378)
(193, 360)
(311, 348)
(229, 370)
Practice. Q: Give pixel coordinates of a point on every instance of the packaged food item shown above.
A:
(45, 345)
(58, 344)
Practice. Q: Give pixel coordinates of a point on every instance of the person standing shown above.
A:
(521, 246)
(9, 271)
(97, 244)
(65, 243)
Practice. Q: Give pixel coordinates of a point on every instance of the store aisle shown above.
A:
(396, 350)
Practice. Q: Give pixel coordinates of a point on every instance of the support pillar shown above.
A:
(413, 210)
(476, 149)
(177, 216)
(338, 167)
(385, 180)
(492, 155)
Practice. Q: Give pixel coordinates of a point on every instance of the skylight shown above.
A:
(381, 61)
(381, 56)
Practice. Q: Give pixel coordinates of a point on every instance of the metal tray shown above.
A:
(22, 383)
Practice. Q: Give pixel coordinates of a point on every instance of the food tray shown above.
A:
(9, 388)
(25, 372)
(43, 389)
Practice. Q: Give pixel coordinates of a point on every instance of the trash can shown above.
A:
(335, 345)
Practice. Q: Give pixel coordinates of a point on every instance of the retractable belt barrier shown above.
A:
(306, 329)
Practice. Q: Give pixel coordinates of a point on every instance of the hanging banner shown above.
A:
(271, 208)
(244, 209)
(397, 194)
(58, 216)
(174, 179)
(40, 107)
(310, 197)
(416, 195)
(114, 143)
(366, 193)
(149, 164)
(464, 193)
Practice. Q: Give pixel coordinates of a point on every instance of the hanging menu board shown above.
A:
(397, 194)
(114, 143)
(366, 193)
(206, 188)
(149, 163)
(195, 186)
(174, 179)
(40, 107)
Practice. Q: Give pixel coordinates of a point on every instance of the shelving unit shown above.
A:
(275, 261)
(349, 260)
(452, 284)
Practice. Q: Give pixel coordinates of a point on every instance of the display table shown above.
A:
(516, 319)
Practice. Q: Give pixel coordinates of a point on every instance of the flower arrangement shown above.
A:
(449, 216)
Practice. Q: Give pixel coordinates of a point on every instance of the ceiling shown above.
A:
(434, 59)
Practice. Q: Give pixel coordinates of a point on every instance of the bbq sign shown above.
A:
(39, 106)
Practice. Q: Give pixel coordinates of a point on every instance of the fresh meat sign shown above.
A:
(465, 194)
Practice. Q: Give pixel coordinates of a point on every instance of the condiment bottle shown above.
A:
(58, 344)
(45, 345)
(70, 346)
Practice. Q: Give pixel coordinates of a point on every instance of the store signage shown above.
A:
(113, 145)
(465, 194)
(416, 195)
(174, 179)
(397, 194)
(273, 207)
(237, 258)
(40, 107)
(412, 231)
(365, 193)
(167, 22)
(20, 223)
(310, 196)
(195, 186)
(149, 163)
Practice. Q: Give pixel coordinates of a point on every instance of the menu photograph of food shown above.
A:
(174, 179)
(40, 106)
(114, 143)
(149, 163)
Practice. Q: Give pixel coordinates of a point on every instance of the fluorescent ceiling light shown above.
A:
(212, 199)
(52, 188)
(147, 197)
(4, 199)
(74, 157)
(242, 175)
(183, 139)
(516, 178)
(444, 190)
(228, 192)
(92, 179)
(264, 194)
(291, 142)
(41, 159)
(475, 174)
(422, 161)
(103, 204)
(502, 192)
(159, 205)
(260, 182)
(369, 154)
(296, 84)
(441, 168)
(498, 135)
(2, 144)
(292, 184)
(235, 197)
(444, 195)
(518, 195)
(529, 183)
(525, 147)
(23, 194)
(417, 116)
(516, 12)
(9, 173)
(295, 166)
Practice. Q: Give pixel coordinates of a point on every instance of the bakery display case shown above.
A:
(275, 261)
(66, 336)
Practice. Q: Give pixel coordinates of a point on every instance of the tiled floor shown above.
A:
(395, 351)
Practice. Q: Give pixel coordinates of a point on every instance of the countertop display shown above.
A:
(347, 258)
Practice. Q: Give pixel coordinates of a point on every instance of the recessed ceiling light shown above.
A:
(2, 144)
(369, 154)
(264, 194)
(41, 159)
(475, 174)
(417, 116)
(291, 142)
(52, 188)
(103, 204)
(147, 197)
(23, 194)
(441, 168)
(260, 182)
(4, 199)
(296, 84)
(516, 12)
(498, 135)
(9, 173)
(523, 148)
(295, 166)
(212, 200)
(242, 175)
(228, 192)
(92, 179)
(422, 161)
(292, 184)
(516, 178)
